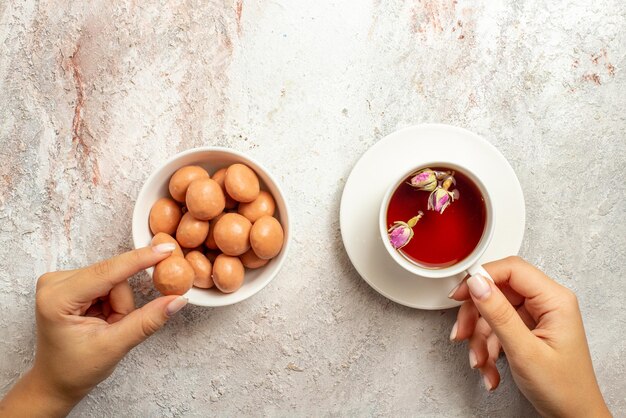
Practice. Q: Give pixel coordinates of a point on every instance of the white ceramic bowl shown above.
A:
(212, 159)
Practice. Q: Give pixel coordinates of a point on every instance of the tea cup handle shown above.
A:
(478, 269)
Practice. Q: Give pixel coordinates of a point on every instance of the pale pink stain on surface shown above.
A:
(602, 59)
(600, 65)
(593, 78)
(433, 15)
(83, 151)
(160, 77)
(239, 11)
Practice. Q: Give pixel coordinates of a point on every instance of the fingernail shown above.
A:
(176, 305)
(453, 332)
(472, 359)
(487, 383)
(454, 290)
(166, 247)
(478, 287)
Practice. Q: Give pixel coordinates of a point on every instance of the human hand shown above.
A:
(538, 325)
(86, 323)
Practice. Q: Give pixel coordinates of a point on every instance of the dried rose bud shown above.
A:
(401, 233)
(442, 175)
(441, 198)
(425, 179)
(448, 181)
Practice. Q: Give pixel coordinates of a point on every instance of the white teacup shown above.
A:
(470, 264)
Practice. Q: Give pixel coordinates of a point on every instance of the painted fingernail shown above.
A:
(176, 305)
(487, 383)
(166, 247)
(453, 291)
(472, 359)
(453, 332)
(478, 287)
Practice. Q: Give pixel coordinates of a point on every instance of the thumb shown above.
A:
(501, 316)
(141, 323)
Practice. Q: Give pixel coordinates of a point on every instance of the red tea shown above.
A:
(441, 239)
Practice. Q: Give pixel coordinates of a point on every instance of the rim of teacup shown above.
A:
(461, 266)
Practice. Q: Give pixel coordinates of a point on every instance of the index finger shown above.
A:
(98, 279)
(519, 275)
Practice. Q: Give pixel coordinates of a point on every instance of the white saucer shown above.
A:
(382, 164)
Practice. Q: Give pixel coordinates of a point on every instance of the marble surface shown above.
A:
(94, 95)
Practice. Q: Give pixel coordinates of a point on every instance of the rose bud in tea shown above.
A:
(441, 198)
(425, 180)
(401, 233)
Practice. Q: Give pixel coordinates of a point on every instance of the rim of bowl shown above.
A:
(285, 218)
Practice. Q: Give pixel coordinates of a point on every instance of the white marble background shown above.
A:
(94, 95)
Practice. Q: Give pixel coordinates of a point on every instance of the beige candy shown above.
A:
(266, 237)
(228, 273)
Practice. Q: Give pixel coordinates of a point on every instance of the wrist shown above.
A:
(593, 406)
(54, 397)
(602, 410)
(598, 407)
(35, 396)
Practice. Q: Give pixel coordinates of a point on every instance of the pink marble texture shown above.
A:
(94, 95)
